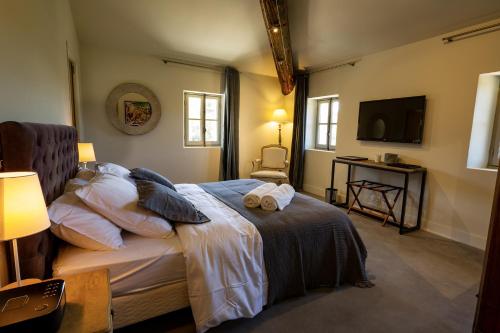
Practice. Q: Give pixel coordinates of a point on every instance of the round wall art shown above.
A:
(133, 109)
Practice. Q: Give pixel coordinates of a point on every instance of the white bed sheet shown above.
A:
(142, 264)
(226, 275)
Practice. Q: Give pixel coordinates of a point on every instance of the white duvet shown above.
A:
(224, 262)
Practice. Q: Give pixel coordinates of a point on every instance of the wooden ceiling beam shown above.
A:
(275, 14)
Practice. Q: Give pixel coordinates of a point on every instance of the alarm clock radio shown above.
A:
(36, 307)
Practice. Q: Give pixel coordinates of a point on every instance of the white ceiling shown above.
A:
(232, 31)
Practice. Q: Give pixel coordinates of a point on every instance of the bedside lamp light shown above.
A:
(281, 117)
(22, 209)
(86, 153)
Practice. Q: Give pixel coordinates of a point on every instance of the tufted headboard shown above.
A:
(51, 151)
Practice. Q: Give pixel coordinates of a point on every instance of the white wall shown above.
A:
(34, 77)
(458, 200)
(33, 62)
(259, 97)
(162, 149)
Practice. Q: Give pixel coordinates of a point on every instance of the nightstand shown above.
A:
(88, 303)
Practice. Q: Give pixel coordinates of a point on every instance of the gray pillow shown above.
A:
(146, 174)
(168, 203)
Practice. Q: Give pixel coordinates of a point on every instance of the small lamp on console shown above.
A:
(281, 117)
(22, 209)
(85, 153)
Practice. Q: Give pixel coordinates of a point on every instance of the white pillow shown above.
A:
(116, 199)
(77, 224)
(113, 169)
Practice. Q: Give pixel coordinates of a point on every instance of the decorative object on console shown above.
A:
(390, 158)
(280, 117)
(272, 165)
(86, 153)
(133, 109)
(23, 211)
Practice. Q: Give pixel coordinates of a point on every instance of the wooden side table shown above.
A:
(88, 303)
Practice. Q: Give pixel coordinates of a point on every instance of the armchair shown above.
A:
(272, 166)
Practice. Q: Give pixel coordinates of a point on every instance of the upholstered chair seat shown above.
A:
(272, 166)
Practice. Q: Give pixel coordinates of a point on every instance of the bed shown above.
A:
(229, 268)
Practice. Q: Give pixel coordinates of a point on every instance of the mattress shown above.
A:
(142, 264)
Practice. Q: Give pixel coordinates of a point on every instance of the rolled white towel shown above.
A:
(252, 199)
(278, 198)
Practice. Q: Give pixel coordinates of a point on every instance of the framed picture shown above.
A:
(137, 113)
(133, 109)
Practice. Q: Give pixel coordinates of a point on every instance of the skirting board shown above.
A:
(457, 235)
(436, 228)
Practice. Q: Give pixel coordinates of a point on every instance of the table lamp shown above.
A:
(22, 209)
(86, 153)
(280, 116)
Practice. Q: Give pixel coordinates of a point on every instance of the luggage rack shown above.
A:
(383, 189)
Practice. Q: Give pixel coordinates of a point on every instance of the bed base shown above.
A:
(144, 305)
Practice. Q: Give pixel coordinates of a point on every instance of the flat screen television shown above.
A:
(392, 120)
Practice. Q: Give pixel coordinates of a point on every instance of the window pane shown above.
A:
(323, 112)
(211, 108)
(335, 111)
(211, 135)
(194, 130)
(194, 107)
(333, 135)
(322, 134)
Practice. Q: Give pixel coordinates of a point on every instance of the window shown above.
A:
(327, 112)
(202, 119)
(484, 144)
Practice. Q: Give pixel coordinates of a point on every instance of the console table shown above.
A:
(386, 168)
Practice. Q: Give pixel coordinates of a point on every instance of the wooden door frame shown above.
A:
(487, 318)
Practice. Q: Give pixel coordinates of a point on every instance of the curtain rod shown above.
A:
(471, 33)
(193, 64)
(351, 63)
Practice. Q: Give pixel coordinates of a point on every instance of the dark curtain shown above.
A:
(299, 131)
(230, 143)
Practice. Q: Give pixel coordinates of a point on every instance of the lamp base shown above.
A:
(16, 262)
(279, 134)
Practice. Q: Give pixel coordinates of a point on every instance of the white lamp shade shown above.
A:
(86, 152)
(280, 116)
(22, 206)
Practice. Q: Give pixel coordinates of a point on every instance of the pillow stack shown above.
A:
(116, 198)
(97, 205)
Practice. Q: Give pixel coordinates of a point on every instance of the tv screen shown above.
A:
(392, 120)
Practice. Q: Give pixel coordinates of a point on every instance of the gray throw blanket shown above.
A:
(310, 244)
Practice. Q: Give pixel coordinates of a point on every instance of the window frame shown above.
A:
(329, 124)
(202, 119)
(494, 152)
